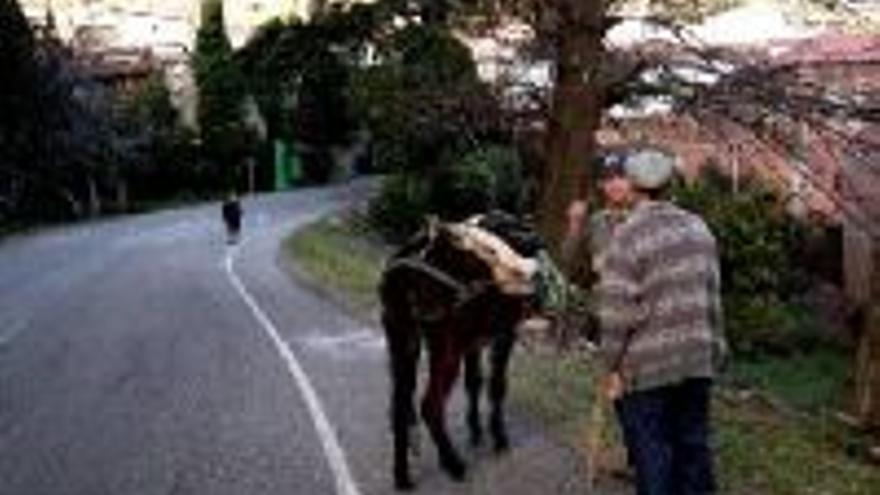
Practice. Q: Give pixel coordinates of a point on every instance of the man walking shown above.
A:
(583, 251)
(615, 191)
(616, 197)
(662, 335)
(232, 218)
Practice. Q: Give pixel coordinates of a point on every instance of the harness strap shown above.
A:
(463, 292)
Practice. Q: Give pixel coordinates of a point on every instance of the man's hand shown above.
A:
(720, 355)
(577, 212)
(612, 386)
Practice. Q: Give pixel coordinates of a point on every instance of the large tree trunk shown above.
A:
(575, 115)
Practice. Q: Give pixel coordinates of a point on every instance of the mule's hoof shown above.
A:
(455, 469)
(404, 484)
(502, 445)
(476, 438)
(415, 444)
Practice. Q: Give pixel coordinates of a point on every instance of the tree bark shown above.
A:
(575, 115)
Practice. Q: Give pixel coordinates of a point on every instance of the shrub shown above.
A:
(505, 167)
(226, 140)
(462, 190)
(485, 179)
(760, 249)
(318, 166)
(757, 325)
(399, 208)
(423, 105)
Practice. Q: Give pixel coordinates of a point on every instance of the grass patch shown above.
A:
(342, 264)
(557, 389)
(10, 229)
(809, 381)
(790, 444)
(181, 201)
(554, 388)
(7, 230)
(760, 449)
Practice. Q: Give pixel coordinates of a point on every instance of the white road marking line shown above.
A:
(13, 330)
(345, 484)
(352, 345)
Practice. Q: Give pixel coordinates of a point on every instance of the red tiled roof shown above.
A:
(118, 63)
(833, 48)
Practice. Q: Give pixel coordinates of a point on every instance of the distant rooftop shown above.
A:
(834, 47)
(754, 23)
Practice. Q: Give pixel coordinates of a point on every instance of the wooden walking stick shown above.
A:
(609, 388)
(595, 429)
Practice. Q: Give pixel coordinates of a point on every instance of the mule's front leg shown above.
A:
(473, 378)
(403, 417)
(404, 357)
(502, 347)
(445, 364)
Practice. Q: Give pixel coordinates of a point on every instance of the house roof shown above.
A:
(833, 47)
(752, 24)
(115, 64)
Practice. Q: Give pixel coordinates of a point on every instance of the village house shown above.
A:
(122, 41)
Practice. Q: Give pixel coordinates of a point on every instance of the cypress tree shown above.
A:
(17, 65)
(225, 139)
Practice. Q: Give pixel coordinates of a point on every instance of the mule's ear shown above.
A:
(475, 220)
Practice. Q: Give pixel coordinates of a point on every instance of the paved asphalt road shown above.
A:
(137, 356)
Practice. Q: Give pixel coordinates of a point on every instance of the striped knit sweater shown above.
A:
(660, 303)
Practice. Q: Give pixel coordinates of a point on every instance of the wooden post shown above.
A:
(862, 263)
(867, 376)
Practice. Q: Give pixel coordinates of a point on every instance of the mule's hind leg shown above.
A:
(502, 346)
(473, 378)
(445, 364)
(403, 347)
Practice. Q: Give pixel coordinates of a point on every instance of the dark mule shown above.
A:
(435, 292)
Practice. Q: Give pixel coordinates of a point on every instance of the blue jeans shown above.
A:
(666, 431)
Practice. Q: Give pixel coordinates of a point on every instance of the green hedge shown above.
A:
(488, 178)
(761, 249)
